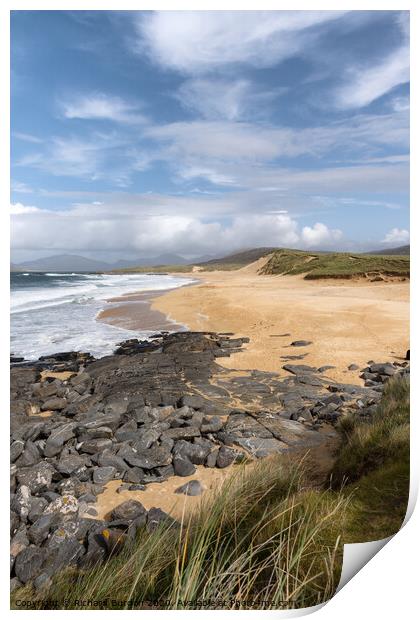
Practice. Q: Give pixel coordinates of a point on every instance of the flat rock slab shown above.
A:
(298, 369)
(260, 448)
(291, 433)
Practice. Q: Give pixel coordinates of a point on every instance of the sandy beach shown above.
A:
(347, 321)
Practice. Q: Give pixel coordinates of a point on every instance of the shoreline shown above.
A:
(133, 311)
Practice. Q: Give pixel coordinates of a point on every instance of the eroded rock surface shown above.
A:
(153, 409)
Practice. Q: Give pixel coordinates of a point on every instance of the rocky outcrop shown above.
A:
(154, 409)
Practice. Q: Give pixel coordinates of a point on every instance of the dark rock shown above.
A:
(126, 431)
(182, 433)
(102, 475)
(39, 530)
(16, 449)
(182, 466)
(54, 404)
(383, 369)
(68, 553)
(146, 459)
(212, 425)
(259, 447)
(298, 369)
(156, 517)
(300, 343)
(37, 507)
(108, 459)
(226, 457)
(193, 487)
(211, 460)
(192, 400)
(28, 563)
(195, 453)
(42, 582)
(135, 475)
(94, 446)
(323, 369)
(129, 510)
(29, 456)
(353, 367)
(58, 437)
(37, 478)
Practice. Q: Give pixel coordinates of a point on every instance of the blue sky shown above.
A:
(137, 133)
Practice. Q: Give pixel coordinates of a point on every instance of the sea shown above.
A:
(55, 312)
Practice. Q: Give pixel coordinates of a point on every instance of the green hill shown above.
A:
(335, 265)
(403, 250)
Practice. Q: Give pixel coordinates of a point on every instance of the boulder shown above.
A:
(66, 505)
(54, 404)
(102, 475)
(225, 457)
(37, 478)
(182, 466)
(70, 464)
(129, 510)
(193, 487)
(58, 437)
(157, 517)
(29, 563)
(182, 433)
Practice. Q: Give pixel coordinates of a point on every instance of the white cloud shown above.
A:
(19, 209)
(196, 147)
(319, 235)
(226, 99)
(397, 235)
(400, 104)
(98, 106)
(365, 84)
(20, 188)
(198, 41)
(140, 230)
(26, 137)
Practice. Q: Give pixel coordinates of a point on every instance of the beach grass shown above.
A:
(266, 539)
(319, 265)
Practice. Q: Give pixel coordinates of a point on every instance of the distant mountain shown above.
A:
(63, 262)
(73, 262)
(162, 259)
(403, 250)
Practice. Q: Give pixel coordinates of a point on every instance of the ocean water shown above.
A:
(53, 312)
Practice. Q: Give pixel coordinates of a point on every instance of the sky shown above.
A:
(207, 132)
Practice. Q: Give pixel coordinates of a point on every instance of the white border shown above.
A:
(388, 585)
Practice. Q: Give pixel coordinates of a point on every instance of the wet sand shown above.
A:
(133, 311)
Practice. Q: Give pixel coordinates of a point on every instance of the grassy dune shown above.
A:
(267, 539)
(335, 265)
(314, 265)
